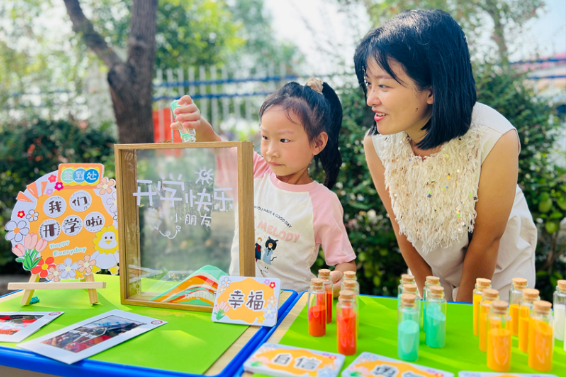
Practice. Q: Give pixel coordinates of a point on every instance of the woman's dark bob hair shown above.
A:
(432, 49)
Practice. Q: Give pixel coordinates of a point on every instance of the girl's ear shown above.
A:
(430, 97)
(320, 143)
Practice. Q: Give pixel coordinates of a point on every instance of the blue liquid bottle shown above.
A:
(408, 331)
(435, 317)
(430, 281)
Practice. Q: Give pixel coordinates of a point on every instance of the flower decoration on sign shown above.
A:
(272, 285)
(43, 267)
(59, 186)
(48, 192)
(85, 266)
(16, 231)
(105, 186)
(68, 269)
(221, 309)
(29, 254)
(269, 311)
(32, 215)
(266, 281)
(52, 178)
(54, 274)
(112, 202)
(21, 214)
(272, 301)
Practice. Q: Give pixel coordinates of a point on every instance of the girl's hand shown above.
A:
(336, 277)
(187, 114)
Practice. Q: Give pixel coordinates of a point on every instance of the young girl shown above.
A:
(444, 165)
(293, 214)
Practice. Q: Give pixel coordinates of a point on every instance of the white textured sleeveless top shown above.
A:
(434, 198)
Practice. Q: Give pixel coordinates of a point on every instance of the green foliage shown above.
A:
(379, 261)
(29, 151)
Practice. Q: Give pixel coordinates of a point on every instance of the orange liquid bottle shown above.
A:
(325, 276)
(317, 308)
(541, 337)
(515, 296)
(499, 338)
(529, 297)
(346, 323)
(481, 284)
(488, 296)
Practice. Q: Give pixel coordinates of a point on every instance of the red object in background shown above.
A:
(161, 130)
(346, 331)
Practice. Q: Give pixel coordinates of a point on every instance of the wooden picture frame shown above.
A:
(126, 158)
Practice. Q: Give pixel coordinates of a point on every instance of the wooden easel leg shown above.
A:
(92, 295)
(28, 293)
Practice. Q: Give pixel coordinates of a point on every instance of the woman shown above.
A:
(444, 165)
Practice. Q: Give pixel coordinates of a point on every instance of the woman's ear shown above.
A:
(430, 97)
(320, 143)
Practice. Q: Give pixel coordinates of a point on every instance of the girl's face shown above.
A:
(397, 107)
(285, 145)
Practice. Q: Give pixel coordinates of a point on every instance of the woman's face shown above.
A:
(397, 107)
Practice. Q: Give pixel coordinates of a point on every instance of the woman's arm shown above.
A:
(496, 193)
(419, 268)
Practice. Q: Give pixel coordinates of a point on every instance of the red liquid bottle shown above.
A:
(328, 287)
(317, 308)
(346, 323)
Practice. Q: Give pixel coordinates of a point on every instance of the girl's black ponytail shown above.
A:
(330, 157)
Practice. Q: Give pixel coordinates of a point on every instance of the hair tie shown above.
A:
(315, 84)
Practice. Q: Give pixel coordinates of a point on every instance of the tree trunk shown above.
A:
(131, 81)
(498, 30)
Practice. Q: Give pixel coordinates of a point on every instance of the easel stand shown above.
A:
(29, 288)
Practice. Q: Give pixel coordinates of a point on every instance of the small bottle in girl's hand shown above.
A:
(190, 135)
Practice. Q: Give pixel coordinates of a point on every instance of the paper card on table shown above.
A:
(283, 361)
(91, 336)
(372, 365)
(247, 301)
(16, 326)
(491, 374)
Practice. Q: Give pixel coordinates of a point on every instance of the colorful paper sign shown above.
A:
(284, 361)
(64, 225)
(91, 336)
(247, 301)
(16, 326)
(372, 365)
(491, 374)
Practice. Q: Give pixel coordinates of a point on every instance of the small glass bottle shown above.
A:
(499, 338)
(515, 296)
(541, 339)
(405, 279)
(407, 288)
(348, 275)
(525, 307)
(408, 333)
(346, 323)
(481, 284)
(488, 296)
(435, 317)
(429, 282)
(324, 275)
(559, 309)
(317, 308)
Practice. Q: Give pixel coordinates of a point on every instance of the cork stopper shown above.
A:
(490, 294)
(561, 285)
(349, 275)
(436, 291)
(530, 294)
(432, 280)
(499, 306)
(542, 307)
(410, 288)
(408, 299)
(350, 284)
(317, 283)
(324, 274)
(406, 278)
(519, 283)
(483, 283)
(346, 295)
